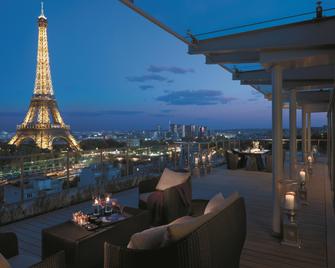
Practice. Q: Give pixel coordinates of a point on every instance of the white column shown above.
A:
(293, 133)
(303, 134)
(277, 146)
(309, 134)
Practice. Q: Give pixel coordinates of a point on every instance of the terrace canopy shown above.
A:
(291, 61)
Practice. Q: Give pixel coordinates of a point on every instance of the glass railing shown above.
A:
(37, 183)
(34, 184)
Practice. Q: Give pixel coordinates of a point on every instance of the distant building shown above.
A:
(179, 131)
(133, 142)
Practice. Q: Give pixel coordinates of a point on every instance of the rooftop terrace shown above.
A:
(261, 249)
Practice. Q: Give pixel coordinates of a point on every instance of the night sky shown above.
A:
(113, 70)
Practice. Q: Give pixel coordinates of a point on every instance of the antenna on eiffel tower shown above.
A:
(42, 10)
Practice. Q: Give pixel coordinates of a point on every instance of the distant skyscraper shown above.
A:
(43, 122)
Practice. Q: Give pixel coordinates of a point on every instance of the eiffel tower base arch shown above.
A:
(44, 138)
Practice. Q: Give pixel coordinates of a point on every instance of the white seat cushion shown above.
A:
(154, 237)
(214, 204)
(171, 178)
(144, 196)
(219, 203)
(23, 261)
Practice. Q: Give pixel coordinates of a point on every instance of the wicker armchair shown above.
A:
(173, 205)
(10, 250)
(216, 243)
(233, 161)
(9, 245)
(55, 261)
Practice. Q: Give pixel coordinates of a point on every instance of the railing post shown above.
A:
(21, 179)
(68, 166)
(188, 156)
(127, 161)
(318, 144)
(175, 156)
(102, 163)
(159, 159)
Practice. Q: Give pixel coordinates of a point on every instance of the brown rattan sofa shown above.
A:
(10, 250)
(216, 243)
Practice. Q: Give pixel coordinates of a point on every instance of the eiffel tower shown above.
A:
(43, 122)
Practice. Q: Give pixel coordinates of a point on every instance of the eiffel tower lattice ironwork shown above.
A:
(43, 122)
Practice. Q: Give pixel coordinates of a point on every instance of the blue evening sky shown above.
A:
(113, 70)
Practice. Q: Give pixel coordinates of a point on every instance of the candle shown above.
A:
(196, 160)
(203, 158)
(310, 159)
(302, 174)
(209, 157)
(108, 207)
(96, 207)
(289, 200)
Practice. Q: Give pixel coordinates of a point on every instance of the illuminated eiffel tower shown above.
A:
(43, 122)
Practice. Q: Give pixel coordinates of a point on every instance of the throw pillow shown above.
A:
(215, 203)
(171, 178)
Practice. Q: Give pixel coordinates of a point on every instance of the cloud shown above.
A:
(147, 77)
(166, 111)
(170, 69)
(146, 87)
(160, 115)
(195, 97)
(102, 113)
(253, 99)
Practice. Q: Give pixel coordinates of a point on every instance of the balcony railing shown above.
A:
(64, 178)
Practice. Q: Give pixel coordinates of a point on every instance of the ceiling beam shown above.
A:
(307, 34)
(325, 72)
(233, 58)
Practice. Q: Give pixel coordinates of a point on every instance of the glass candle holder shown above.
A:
(310, 159)
(96, 207)
(289, 193)
(108, 204)
(302, 177)
(290, 203)
(196, 160)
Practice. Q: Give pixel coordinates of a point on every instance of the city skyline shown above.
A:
(98, 83)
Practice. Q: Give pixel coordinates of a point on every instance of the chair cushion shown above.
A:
(176, 232)
(171, 178)
(144, 197)
(3, 262)
(181, 220)
(154, 237)
(22, 261)
(226, 202)
(215, 203)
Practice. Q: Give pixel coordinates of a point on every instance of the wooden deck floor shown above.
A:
(261, 249)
